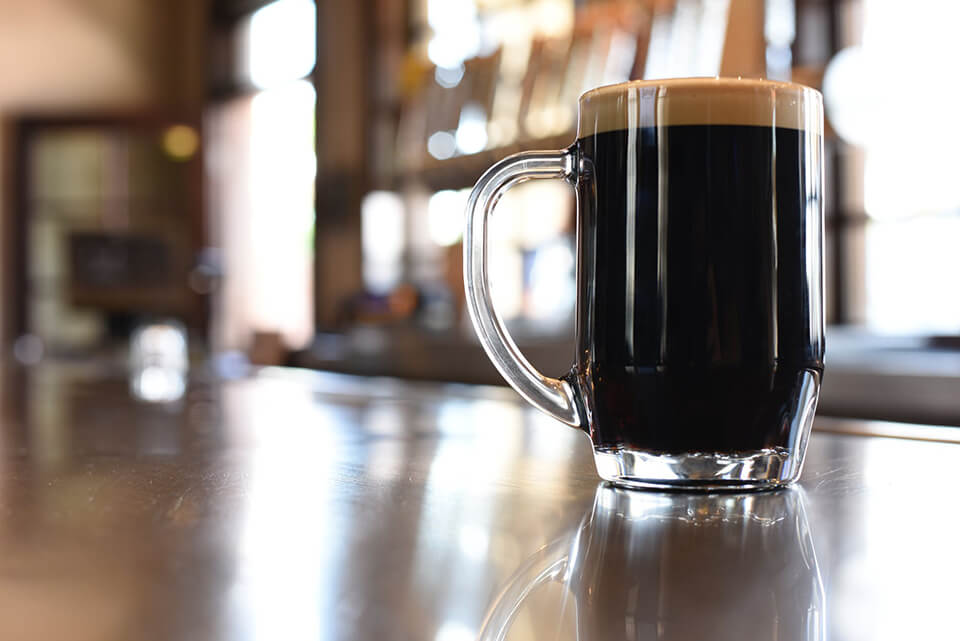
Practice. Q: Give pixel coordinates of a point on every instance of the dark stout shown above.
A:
(696, 268)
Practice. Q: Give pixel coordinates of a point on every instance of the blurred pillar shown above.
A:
(343, 82)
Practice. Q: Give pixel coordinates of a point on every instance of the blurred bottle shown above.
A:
(159, 361)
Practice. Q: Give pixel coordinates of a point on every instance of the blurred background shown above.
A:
(205, 186)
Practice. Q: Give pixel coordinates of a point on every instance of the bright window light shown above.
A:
(901, 254)
(471, 133)
(541, 212)
(454, 631)
(449, 14)
(283, 42)
(382, 220)
(506, 265)
(282, 198)
(910, 187)
(552, 284)
(456, 32)
(445, 216)
(895, 126)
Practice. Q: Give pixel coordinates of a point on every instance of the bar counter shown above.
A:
(300, 505)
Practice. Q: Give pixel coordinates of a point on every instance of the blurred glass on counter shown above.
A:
(159, 361)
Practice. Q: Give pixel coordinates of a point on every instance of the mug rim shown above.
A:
(720, 84)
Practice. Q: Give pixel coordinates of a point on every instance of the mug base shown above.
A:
(765, 469)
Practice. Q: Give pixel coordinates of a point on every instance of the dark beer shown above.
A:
(699, 266)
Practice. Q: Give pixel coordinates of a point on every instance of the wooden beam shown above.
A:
(343, 78)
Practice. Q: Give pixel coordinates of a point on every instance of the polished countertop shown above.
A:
(299, 505)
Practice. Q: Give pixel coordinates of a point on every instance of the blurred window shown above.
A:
(895, 107)
(382, 219)
(108, 215)
(263, 167)
(281, 42)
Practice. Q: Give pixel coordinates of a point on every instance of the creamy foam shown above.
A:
(700, 101)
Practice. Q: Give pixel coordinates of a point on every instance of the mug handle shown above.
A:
(554, 396)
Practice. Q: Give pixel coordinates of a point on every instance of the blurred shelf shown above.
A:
(408, 352)
(869, 377)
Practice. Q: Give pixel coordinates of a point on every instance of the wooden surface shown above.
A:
(295, 505)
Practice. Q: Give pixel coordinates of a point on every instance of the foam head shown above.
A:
(700, 101)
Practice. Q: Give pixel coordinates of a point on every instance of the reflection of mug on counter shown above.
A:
(675, 566)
